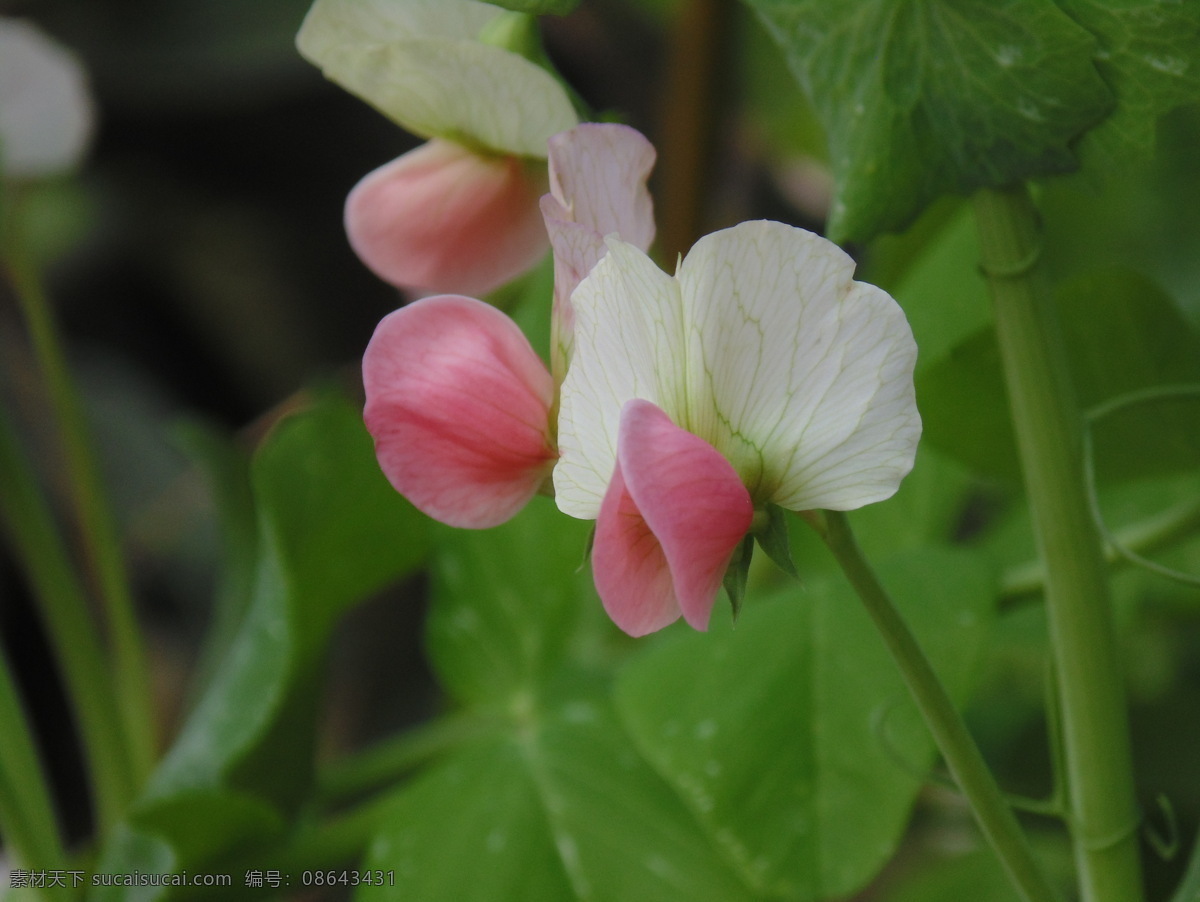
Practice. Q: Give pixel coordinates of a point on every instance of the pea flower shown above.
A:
(460, 213)
(461, 407)
(760, 373)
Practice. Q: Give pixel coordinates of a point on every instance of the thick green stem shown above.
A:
(97, 525)
(1048, 425)
(962, 756)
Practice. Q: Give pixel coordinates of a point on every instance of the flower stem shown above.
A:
(992, 812)
(1048, 425)
(97, 525)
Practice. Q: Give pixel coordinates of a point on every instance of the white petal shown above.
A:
(598, 175)
(421, 64)
(629, 343)
(799, 375)
(45, 107)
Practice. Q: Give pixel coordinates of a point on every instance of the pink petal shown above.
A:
(458, 404)
(443, 218)
(598, 178)
(670, 521)
(629, 566)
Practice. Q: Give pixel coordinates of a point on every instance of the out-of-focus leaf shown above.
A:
(339, 530)
(941, 291)
(977, 876)
(508, 601)
(561, 808)
(1122, 334)
(925, 511)
(923, 98)
(226, 467)
(1137, 221)
(330, 532)
(792, 738)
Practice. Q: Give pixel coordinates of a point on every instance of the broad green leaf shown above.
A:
(942, 292)
(792, 738)
(508, 601)
(1137, 221)
(132, 851)
(1122, 334)
(561, 808)
(925, 97)
(927, 509)
(977, 876)
(226, 467)
(1150, 57)
(330, 532)
(339, 530)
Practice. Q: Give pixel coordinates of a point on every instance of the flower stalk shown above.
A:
(1048, 425)
(992, 812)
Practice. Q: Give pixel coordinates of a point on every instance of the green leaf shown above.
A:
(339, 531)
(977, 876)
(1122, 334)
(941, 291)
(330, 532)
(1150, 58)
(226, 467)
(508, 602)
(925, 97)
(792, 738)
(560, 808)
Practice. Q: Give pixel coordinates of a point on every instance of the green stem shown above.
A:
(1048, 426)
(97, 525)
(962, 756)
(27, 819)
(26, 517)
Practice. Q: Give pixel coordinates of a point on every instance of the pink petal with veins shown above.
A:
(443, 218)
(458, 404)
(670, 521)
